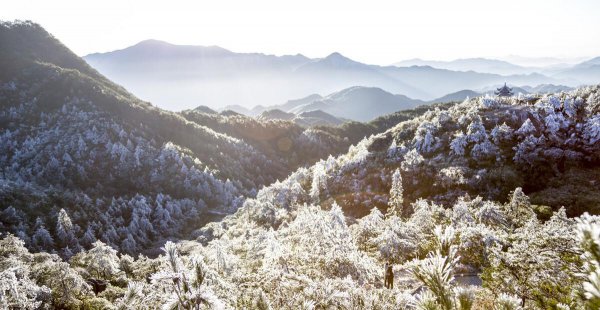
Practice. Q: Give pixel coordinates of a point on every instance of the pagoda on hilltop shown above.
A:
(504, 91)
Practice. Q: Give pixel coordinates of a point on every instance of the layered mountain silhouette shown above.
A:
(367, 103)
(471, 64)
(179, 77)
(586, 72)
(359, 103)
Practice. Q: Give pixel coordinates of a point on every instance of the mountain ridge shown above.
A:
(267, 80)
(77, 141)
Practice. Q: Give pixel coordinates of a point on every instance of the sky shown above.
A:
(374, 31)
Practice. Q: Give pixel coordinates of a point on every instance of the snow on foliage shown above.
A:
(489, 102)
(527, 128)
(458, 144)
(79, 182)
(424, 140)
(412, 160)
(592, 130)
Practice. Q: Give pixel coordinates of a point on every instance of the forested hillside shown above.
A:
(124, 171)
(483, 204)
(484, 146)
(468, 242)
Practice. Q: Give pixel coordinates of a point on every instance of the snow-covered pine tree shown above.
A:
(396, 199)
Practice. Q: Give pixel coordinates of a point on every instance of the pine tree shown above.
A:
(519, 208)
(88, 237)
(396, 196)
(42, 240)
(64, 229)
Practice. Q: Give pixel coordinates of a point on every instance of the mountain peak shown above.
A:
(338, 60)
(153, 42)
(361, 90)
(153, 49)
(335, 56)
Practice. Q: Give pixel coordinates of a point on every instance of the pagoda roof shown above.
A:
(504, 91)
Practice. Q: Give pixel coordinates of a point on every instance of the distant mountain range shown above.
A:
(363, 104)
(471, 64)
(356, 103)
(178, 77)
(586, 72)
(359, 103)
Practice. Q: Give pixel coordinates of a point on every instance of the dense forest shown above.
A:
(105, 200)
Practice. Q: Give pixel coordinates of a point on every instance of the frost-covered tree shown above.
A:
(396, 200)
(424, 139)
(17, 291)
(68, 287)
(489, 102)
(501, 134)
(527, 128)
(476, 132)
(592, 130)
(42, 240)
(367, 228)
(538, 263)
(412, 161)
(101, 261)
(186, 287)
(519, 209)
(588, 235)
(65, 229)
(458, 144)
(88, 237)
(555, 122)
(436, 273)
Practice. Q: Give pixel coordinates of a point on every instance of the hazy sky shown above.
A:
(373, 31)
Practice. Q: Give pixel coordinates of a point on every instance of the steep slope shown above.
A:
(434, 176)
(282, 141)
(293, 142)
(128, 172)
(320, 238)
(481, 147)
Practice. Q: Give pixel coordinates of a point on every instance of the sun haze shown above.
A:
(376, 32)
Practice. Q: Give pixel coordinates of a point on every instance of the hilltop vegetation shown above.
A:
(125, 172)
(482, 204)
(364, 206)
